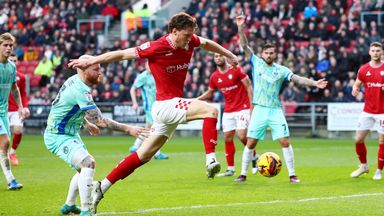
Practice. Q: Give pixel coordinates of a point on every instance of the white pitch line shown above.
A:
(240, 204)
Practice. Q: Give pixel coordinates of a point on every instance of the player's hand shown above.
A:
(355, 91)
(135, 107)
(240, 20)
(93, 129)
(321, 83)
(138, 132)
(21, 113)
(27, 112)
(233, 60)
(79, 63)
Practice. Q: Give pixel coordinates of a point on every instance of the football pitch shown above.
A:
(178, 186)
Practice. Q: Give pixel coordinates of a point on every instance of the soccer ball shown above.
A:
(269, 164)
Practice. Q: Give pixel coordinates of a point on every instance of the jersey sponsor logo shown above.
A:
(368, 73)
(174, 68)
(145, 46)
(229, 88)
(219, 80)
(375, 85)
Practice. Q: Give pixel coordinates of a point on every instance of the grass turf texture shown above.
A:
(178, 186)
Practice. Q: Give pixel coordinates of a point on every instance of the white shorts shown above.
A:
(14, 119)
(167, 114)
(236, 120)
(368, 121)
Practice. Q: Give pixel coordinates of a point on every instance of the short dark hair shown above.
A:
(267, 46)
(376, 44)
(182, 21)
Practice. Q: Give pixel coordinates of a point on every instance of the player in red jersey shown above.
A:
(168, 58)
(371, 75)
(15, 121)
(237, 90)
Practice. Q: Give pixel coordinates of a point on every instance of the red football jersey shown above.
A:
(373, 79)
(168, 64)
(20, 80)
(234, 91)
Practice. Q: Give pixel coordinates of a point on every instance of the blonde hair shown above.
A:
(7, 36)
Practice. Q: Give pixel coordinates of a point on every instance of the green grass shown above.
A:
(160, 187)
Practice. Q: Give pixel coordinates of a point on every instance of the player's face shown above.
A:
(6, 48)
(375, 53)
(269, 55)
(93, 74)
(182, 37)
(219, 60)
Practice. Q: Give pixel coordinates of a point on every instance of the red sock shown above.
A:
(380, 157)
(361, 151)
(209, 135)
(125, 168)
(230, 153)
(16, 140)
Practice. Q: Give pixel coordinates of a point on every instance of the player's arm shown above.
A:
(132, 91)
(112, 56)
(23, 95)
(17, 97)
(95, 116)
(216, 48)
(206, 95)
(303, 81)
(248, 86)
(356, 87)
(243, 39)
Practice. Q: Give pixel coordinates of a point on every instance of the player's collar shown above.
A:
(168, 38)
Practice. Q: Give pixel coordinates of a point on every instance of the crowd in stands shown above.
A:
(316, 39)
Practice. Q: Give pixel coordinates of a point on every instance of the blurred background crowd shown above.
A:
(316, 39)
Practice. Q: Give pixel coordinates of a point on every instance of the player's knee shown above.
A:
(212, 112)
(88, 162)
(4, 145)
(251, 143)
(359, 139)
(284, 143)
(242, 138)
(18, 130)
(144, 158)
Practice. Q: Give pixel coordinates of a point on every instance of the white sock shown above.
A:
(73, 190)
(12, 151)
(85, 187)
(105, 185)
(247, 158)
(137, 143)
(5, 166)
(209, 158)
(231, 168)
(289, 160)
